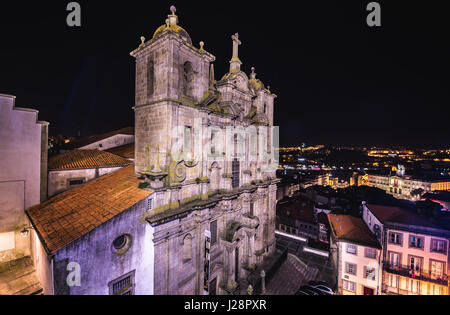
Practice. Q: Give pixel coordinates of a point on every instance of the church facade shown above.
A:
(196, 213)
(205, 148)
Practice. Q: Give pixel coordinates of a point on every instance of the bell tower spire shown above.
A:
(235, 63)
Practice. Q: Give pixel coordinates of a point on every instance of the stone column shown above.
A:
(263, 282)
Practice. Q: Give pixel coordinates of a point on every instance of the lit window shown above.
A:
(349, 286)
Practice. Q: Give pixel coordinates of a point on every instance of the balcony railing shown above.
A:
(406, 271)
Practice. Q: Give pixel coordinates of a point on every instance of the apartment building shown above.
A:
(415, 251)
(356, 253)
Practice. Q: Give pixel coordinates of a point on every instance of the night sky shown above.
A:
(338, 81)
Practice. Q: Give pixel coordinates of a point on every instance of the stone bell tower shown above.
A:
(170, 71)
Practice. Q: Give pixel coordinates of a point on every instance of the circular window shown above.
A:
(121, 244)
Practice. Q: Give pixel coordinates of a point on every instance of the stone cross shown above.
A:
(235, 63)
(236, 44)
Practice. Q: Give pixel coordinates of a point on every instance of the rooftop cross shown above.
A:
(235, 63)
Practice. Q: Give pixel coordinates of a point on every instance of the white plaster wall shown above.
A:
(100, 265)
(20, 171)
(109, 143)
(361, 261)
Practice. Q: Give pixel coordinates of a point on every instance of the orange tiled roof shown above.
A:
(66, 217)
(352, 229)
(82, 159)
(125, 151)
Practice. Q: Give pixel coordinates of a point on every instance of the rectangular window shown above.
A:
(213, 228)
(349, 286)
(236, 173)
(350, 269)
(351, 249)
(439, 246)
(437, 268)
(213, 141)
(369, 273)
(150, 204)
(395, 238)
(76, 182)
(416, 242)
(187, 140)
(123, 286)
(251, 209)
(371, 253)
(393, 281)
(415, 286)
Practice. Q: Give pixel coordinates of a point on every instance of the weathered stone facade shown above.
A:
(228, 190)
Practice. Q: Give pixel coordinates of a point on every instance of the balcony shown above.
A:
(406, 271)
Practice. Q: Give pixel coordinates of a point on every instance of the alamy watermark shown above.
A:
(74, 17)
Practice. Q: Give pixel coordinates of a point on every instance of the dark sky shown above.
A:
(337, 80)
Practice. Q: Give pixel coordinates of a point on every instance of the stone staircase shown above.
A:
(290, 277)
(308, 273)
(18, 277)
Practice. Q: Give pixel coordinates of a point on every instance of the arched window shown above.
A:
(187, 248)
(265, 108)
(150, 78)
(188, 78)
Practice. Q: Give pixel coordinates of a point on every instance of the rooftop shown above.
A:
(125, 151)
(352, 229)
(296, 210)
(82, 142)
(85, 159)
(67, 217)
(400, 215)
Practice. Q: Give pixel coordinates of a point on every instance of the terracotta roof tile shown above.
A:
(125, 151)
(352, 229)
(85, 159)
(72, 214)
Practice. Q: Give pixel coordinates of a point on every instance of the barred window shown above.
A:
(123, 285)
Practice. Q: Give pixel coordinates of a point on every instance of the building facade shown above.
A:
(401, 186)
(23, 174)
(356, 254)
(415, 251)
